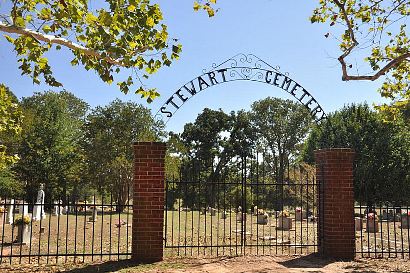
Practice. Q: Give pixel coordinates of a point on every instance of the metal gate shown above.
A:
(248, 207)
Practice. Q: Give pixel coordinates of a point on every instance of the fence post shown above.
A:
(148, 202)
(336, 233)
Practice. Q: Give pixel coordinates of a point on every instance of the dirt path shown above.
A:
(266, 264)
(243, 264)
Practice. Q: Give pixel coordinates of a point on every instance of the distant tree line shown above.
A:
(76, 151)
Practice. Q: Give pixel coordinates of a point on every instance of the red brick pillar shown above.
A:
(148, 201)
(336, 233)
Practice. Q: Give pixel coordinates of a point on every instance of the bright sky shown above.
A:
(279, 32)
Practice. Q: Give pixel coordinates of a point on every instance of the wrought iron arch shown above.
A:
(241, 67)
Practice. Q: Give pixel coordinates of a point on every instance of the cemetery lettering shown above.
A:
(215, 77)
(190, 89)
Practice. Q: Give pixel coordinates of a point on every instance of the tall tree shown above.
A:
(382, 160)
(50, 147)
(281, 126)
(110, 132)
(212, 141)
(106, 37)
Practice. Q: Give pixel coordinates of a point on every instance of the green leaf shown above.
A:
(46, 28)
(8, 38)
(19, 21)
(150, 22)
(90, 18)
(131, 8)
(197, 6)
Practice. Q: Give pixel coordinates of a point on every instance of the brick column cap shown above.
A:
(148, 143)
(334, 153)
(340, 150)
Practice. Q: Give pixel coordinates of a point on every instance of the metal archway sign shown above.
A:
(241, 67)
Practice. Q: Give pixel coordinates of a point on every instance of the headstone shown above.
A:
(23, 234)
(255, 210)
(240, 217)
(405, 221)
(224, 215)
(372, 225)
(10, 212)
(284, 223)
(385, 215)
(203, 211)
(23, 209)
(263, 219)
(212, 211)
(60, 207)
(390, 215)
(300, 214)
(239, 209)
(358, 223)
(38, 211)
(66, 209)
(56, 208)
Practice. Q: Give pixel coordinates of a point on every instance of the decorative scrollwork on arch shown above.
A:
(249, 61)
(241, 67)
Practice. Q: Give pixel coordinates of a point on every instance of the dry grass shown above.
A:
(193, 229)
(68, 234)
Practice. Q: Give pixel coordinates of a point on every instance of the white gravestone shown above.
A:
(10, 212)
(38, 211)
(58, 209)
(23, 209)
(255, 210)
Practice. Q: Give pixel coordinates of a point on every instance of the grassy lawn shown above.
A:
(389, 237)
(225, 236)
(70, 234)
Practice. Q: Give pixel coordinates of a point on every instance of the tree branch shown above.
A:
(51, 39)
(379, 73)
(345, 76)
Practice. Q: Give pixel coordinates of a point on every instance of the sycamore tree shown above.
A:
(377, 31)
(373, 40)
(106, 37)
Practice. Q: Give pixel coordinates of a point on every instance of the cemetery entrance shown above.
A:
(246, 207)
(242, 203)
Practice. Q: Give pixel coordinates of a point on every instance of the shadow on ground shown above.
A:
(104, 267)
(308, 261)
(316, 261)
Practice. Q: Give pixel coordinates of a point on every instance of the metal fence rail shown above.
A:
(241, 213)
(382, 231)
(95, 229)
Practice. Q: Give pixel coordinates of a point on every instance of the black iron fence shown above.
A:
(245, 209)
(382, 231)
(81, 229)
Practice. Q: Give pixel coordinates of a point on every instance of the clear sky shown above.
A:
(278, 32)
